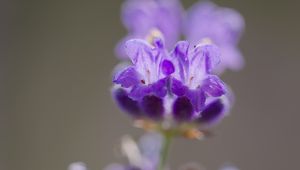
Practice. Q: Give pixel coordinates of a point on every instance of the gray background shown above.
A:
(56, 61)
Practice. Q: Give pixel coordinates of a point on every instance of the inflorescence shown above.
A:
(176, 87)
(169, 85)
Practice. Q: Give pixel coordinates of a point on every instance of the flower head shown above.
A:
(143, 16)
(77, 166)
(176, 87)
(141, 155)
(145, 82)
(201, 95)
(222, 26)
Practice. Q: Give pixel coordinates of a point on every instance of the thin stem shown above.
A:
(164, 150)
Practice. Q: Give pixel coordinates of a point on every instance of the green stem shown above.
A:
(164, 150)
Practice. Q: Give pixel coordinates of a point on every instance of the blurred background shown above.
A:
(56, 58)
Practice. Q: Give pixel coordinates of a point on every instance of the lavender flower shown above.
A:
(222, 26)
(175, 93)
(198, 91)
(176, 87)
(142, 16)
(143, 155)
(144, 85)
(77, 166)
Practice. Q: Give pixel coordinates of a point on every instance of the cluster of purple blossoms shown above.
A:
(177, 85)
(173, 86)
(203, 21)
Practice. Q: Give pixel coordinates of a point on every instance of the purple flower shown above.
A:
(145, 82)
(143, 155)
(179, 85)
(194, 84)
(222, 26)
(77, 166)
(141, 17)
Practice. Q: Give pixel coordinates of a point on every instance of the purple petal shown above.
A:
(167, 67)
(197, 98)
(127, 78)
(153, 107)
(160, 88)
(168, 18)
(212, 113)
(213, 86)
(146, 59)
(139, 50)
(181, 50)
(139, 91)
(177, 87)
(215, 110)
(202, 60)
(180, 60)
(206, 57)
(120, 48)
(140, 16)
(183, 109)
(231, 58)
(126, 103)
(150, 145)
(223, 26)
(232, 23)
(136, 16)
(212, 54)
(199, 22)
